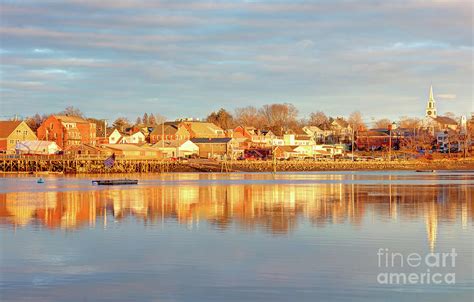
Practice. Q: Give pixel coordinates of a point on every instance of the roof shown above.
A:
(286, 148)
(71, 119)
(445, 120)
(35, 145)
(216, 140)
(170, 143)
(369, 133)
(170, 128)
(202, 128)
(7, 127)
(129, 147)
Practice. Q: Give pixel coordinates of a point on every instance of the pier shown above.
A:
(84, 164)
(95, 165)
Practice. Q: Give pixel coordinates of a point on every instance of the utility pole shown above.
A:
(390, 142)
(352, 142)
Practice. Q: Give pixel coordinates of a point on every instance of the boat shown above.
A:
(425, 171)
(40, 181)
(114, 182)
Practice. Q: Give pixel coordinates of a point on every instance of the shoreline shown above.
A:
(289, 166)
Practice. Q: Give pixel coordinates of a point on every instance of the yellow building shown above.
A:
(12, 132)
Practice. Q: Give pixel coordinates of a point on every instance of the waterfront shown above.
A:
(231, 237)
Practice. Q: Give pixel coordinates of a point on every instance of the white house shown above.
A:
(177, 148)
(328, 150)
(37, 147)
(135, 138)
(114, 137)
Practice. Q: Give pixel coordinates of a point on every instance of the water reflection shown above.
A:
(275, 208)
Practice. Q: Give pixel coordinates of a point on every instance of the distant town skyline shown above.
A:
(189, 58)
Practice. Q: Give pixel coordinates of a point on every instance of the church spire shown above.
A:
(431, 106)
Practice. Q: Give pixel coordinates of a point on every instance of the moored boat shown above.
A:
(112, 182)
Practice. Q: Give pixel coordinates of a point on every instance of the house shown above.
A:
(198, 129)
(12, 132)
(341, 129)
(448, 141)
(212, 147)
(83, 150)
(440, 123)
(114, 137)
(67, 130)
(132, 151)
(177, 148)
(318, 134)
(297, 140)
(372, 140)
(169, 131)
(285, 152)
(332, 151)
(134, 138)
(37, 147)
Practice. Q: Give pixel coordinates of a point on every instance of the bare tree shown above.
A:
(72, 111)
(35, 121)
(160, 119)
(356, 121)
(138, 121)
(121, 123)
(151, 120)
(318, 118)
(221, 118)
(383, 123)
(279, 117)
(145, 118)
(248, 116)
(409, 122)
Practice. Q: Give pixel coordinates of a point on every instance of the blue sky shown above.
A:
(187, 58)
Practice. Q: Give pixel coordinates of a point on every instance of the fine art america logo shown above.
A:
(405, 269)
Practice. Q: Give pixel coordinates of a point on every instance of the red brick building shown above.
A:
(67, 131)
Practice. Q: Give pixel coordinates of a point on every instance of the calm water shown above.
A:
(234, 237)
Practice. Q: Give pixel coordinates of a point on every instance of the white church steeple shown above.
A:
(431, 106)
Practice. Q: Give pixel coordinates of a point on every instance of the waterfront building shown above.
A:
(37, 147)
(177, 148)
(212, 147)
(135, 137)
(12, 132)
(67, 130)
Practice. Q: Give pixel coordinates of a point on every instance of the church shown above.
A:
(434, 122)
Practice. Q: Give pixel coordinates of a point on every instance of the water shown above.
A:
(233, 237)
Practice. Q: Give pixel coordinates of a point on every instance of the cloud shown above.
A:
(333, 55)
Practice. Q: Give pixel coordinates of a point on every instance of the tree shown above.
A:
(279, 117)
(356, 121)
(160, 119)
(383, 123)
(248, 116)
(151, 120)
(318, 118)
(145, 118)
(35, 121)
(138, 121)
(221, 118)
(409, 122)
(121, 123)
(72, 111)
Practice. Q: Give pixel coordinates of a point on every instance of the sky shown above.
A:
(115, 58)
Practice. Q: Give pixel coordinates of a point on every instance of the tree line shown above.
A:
(279, 118)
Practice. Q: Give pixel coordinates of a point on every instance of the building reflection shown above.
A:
(273, 208)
